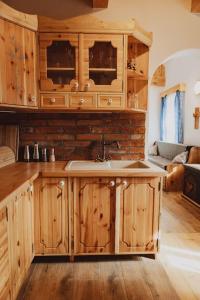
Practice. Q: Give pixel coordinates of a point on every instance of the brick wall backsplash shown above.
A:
(77, 136)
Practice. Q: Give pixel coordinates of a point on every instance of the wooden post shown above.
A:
(196, 117)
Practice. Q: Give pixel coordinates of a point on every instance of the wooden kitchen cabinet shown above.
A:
(51, 216)
(18, 84)
(137, 77)
(5, 264)
(94, 215)
(81, 62)
(85, 54)
(21, 218)
(137, 222)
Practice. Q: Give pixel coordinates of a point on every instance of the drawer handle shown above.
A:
(52, 100)
(111, 183)
(124, 183)
(61, 184)
(32, 98)
(109, 101)
(82, 101)
(30, 188)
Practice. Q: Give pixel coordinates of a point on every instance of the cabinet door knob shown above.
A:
(30, 188)
(87, 86)
(32, 98)
(76, 86)
(82, 101)
(124, 183)
(61, 184)
(109, 101)
(112, 183)
(52, 100)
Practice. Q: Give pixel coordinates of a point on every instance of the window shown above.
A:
(171, 121)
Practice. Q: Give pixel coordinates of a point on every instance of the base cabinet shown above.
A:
(51, 216)
(94, 215)
(5, 265)
(21, 231)
(116, 215)
(139, 204)
(16, 241)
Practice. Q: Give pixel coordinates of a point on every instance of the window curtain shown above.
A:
(179, 111)
(163, 118)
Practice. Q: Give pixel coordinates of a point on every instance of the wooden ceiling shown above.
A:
(195, 6)
(99, 3)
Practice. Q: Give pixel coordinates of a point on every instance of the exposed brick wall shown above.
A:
(78, 136)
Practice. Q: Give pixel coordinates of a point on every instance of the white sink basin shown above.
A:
(127, 164)
(107, 165)
(87, 165)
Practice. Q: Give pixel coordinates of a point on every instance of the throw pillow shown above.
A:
(153, 150)
(181, 158)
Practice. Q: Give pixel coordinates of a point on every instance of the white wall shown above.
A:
(183, 67)
(154, 114)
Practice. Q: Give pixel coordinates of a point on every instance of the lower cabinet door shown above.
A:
(94, 215)
(5, 270)
(17, 246)
(139, 204)
(51, 216)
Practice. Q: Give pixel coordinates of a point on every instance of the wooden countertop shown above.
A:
(15, 175)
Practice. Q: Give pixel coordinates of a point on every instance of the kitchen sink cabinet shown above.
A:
(94, 215)
(116, 216)
(137, 222)
(51, 216)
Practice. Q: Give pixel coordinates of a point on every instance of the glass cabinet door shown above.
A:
(59, 62)
(103, 64)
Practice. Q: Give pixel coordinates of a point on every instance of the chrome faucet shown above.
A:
(103, 157)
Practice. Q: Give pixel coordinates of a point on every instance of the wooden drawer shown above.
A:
(54, 101)
(111, 101)
(86, 101)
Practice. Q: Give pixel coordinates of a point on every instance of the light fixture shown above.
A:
(197, 87)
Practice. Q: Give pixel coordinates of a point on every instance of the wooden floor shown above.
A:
(175, 274)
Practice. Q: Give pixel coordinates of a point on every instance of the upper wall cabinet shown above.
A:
(18, 83)
(58, 62)
(102, 65)
(81, 62)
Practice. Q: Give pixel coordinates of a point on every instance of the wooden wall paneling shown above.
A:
(9, 136)
(5, 265)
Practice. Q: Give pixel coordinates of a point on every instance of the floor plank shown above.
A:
(175, 274)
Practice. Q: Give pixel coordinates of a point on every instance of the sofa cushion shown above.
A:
(159, 161)
(169, 150)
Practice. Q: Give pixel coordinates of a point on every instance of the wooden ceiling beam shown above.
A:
(99, 3)
(195, 6)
